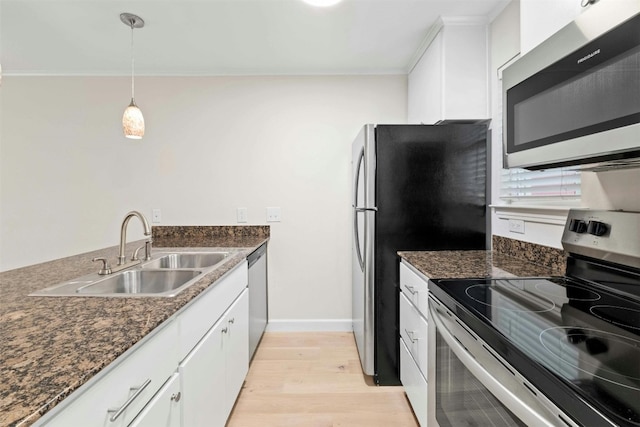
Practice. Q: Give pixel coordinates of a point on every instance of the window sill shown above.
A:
(549, 214)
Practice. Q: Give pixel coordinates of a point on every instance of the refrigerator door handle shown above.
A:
(359, 209)
(356, 232)
(356, 240)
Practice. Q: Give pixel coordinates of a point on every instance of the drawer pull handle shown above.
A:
(176, 397)
(224, 330)
(126, 404)
(232, 320)
(411, 289)
(410, 335)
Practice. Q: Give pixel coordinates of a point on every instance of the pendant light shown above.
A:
(132, 119)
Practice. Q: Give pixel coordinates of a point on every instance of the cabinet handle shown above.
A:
(176, 397)
(224, 330)
(232, 320)
(411, 289)
(410, 335)
(126, 404)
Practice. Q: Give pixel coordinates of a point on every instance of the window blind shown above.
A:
(553, 184)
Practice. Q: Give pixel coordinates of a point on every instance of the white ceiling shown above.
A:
(220, 37)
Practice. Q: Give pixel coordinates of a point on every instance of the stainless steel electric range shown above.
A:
(552, 351)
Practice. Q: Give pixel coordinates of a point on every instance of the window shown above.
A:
(556, 186)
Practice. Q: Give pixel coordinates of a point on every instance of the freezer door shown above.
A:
(362, 242)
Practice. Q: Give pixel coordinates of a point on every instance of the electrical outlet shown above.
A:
(242, 214)
(516, 226)
(273, 214)
(156, 216)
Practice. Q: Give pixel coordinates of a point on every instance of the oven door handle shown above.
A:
(523, 411)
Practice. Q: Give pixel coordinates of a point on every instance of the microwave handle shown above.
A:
(523, 411)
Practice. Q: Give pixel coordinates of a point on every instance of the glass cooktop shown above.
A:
(587, 337)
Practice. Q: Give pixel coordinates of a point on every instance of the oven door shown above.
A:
(470, 385)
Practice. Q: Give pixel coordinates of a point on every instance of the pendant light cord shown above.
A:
(132, 65)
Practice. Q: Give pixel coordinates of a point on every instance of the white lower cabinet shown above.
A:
(236, 349)
(414, 383)
(119, 393)
(165, 409)
(188, 372)
(413, 331)
(213, 373)
(413, 340)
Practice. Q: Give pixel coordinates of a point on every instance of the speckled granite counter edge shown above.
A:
(553, 258)
(510, 258)
(205, 235)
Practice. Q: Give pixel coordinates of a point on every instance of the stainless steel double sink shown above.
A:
(165, 275)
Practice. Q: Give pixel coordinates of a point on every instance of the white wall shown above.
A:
(520, 27)
(68, 176)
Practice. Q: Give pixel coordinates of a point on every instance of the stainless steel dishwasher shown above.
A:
(258, 311)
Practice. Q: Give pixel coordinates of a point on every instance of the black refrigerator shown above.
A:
(415, 187)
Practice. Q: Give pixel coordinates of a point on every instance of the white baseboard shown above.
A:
(311, 325)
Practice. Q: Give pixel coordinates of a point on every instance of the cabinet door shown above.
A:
(414, 383)
(202, 376)
(210, 306)
(237, 348)
(164, 409)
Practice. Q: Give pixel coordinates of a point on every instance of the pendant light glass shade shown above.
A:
(133, 122)
(132, 119)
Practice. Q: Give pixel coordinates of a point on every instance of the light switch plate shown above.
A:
(273, 214)
(242, 214)
(516, 226)
(156, 216)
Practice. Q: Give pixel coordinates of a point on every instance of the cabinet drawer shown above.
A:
(151, 361)
(164, 408)
(413, 330)
(415, 288)
(415, 386)
(209, 306)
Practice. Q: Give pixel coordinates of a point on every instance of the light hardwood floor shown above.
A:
(314, 379)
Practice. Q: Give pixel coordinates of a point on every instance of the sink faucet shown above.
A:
(123, 237)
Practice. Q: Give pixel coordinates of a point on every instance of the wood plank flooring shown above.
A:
(314, 379)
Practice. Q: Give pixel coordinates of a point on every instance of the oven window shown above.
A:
(462, 400)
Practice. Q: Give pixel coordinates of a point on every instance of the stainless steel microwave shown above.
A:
(574, 100)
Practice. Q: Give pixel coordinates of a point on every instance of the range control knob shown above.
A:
(577, 225)
(597, 228)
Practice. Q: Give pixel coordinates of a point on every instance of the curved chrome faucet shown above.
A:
(123, 236)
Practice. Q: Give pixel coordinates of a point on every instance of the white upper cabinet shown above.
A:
(450, 80)
(539, 19)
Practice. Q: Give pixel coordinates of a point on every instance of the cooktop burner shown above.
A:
(614, 314)
(559, 341)
(546, 287)
(478, 294)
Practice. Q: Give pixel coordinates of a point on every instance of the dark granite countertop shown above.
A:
(472, 264)
(53, 345)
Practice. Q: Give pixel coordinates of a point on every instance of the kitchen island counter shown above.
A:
(53, 345)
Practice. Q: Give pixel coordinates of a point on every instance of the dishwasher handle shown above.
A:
(257, 254)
